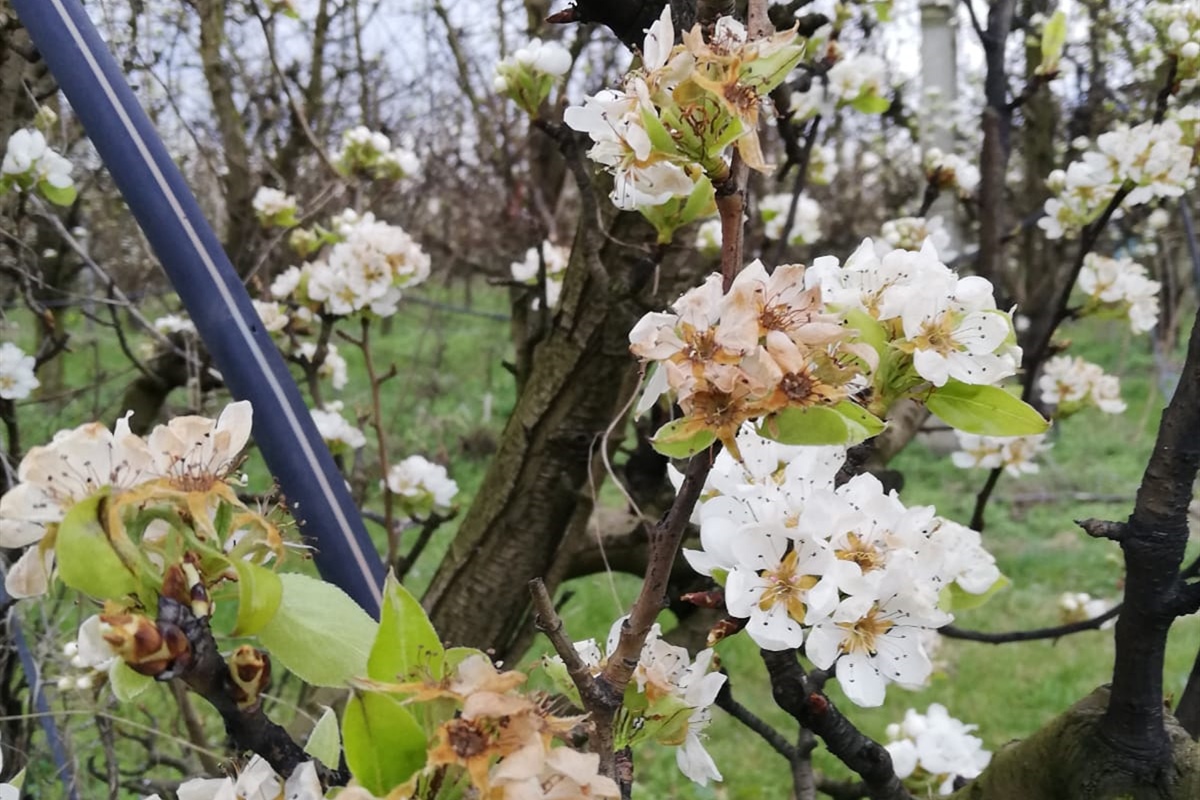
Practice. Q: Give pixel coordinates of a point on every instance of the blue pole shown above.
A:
(210, 289)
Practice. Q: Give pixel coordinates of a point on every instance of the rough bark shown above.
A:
(534, 491)
(238, 182)
(1067, 759)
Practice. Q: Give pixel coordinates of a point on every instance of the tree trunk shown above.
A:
(1071, 760)
(536, 486)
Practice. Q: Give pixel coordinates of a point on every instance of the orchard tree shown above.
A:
(695, 316)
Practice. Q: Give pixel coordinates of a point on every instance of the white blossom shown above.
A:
(17, 379)
(1016, 454)
(339, 434)
(1071, 383)
(937, 745)
(422, 486)
(806, 227)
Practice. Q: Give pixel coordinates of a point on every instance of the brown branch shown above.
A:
(1033, 635)
(793, 690)
(249, 728)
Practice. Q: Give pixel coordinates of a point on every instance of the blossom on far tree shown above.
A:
(1081, 606)
(333, 368)
(806, 227)
(934, 749)
(1123, 286)
(17, 379)
(555, 257)
(339, 434)
(1015, 454)
(365, 271)
(372, 153)
(910, 233)
(1152, 160)
(708, 237)
(1071, 383)
(29, 162)
(528, 75)
(421, 487)
(274, 207)
(951, 171)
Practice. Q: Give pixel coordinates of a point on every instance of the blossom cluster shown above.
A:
(1081, 606)
(676, 117)
(846, 571)
(867, 332)
(29, 163)
(951, 171)
(935, 749)
(555, 257)
(1123, 286)
(910, 233)
(1015, 454)
(528, 75)
(363, 272)
(258, 781)
(189, 454)
(274, 207)
(764, 346)
(1071, 383)
(950, 326)
(333, 366)
(1179, 24)
(340, 435)
(1153, 159)
(510, 755)
(806, 227)
(372, 153)
(674, 697)
(421, 487)
(17, 379)
(858, 81)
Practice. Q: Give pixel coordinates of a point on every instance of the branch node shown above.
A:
(1103, 529)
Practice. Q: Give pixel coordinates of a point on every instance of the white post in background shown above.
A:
(939, 83)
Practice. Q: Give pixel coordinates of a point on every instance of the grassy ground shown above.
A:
(449, 362)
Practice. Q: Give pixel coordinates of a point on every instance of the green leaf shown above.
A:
(58, 195)
(674, 440)
(660, 138)
(318, 632)
(457, 655)
(407, 647)
(984, 410)
(955, 598)
(860, 423)
(1054, 36)
(870, 331)
(870, 103)
(384, 744)
(259, 593)
(87, 559)
(816, 425)
(325, 742)
(127, 684)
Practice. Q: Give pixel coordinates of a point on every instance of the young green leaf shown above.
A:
(384, 744)
(814, 425)
(259, 594)
(325, 742)
(860, 423)
(955, 598)
(127, 684)
(984, 410)
(870, 103)
(407, 647)
(318, 632)
(87, 560)
(674, 440)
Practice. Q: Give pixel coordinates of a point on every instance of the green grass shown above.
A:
(448, 362)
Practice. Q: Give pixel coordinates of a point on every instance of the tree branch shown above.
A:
(795, 694)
